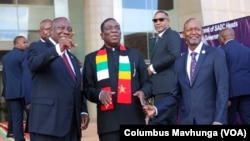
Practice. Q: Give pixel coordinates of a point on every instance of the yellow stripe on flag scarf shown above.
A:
(124, 75)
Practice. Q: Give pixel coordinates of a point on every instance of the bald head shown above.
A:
(198, 23)
(225, 35)
(45, 26)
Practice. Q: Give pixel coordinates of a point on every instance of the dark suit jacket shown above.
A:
(238, 57)
(12, 74)
(26, 78)
(206, 100)
(109, 121)
(165, 52)
(55, 97)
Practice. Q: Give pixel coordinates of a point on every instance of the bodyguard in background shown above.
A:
(44, 30)
(161, 69)
(13, 85)
(238, 60)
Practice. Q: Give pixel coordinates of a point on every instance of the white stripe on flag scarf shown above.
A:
(123, 59)
(103, 74)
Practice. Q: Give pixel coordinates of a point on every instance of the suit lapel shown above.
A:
(185, 55)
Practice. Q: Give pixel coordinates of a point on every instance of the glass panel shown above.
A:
(139, 4)
(8, 25)
(61, 8)
(137, 25)
(21, 20)
(75, 14)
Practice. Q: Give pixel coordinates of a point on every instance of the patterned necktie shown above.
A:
(66, 62)
(192, 67)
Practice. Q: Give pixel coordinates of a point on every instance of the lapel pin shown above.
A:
(203, 51)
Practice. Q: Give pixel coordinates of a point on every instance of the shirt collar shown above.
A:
(197, 49)
(54, 43)
(228, 41)
(42, 40)
(160, 34)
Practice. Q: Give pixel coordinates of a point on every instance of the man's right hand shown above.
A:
(67, 42)
(106, 97)
(149, 72)
(149, 110)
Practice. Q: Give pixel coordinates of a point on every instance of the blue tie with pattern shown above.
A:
(192, 67)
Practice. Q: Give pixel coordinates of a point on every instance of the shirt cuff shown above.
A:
(84, 113)
(152, 69)
(217, 123)
(156, 111)
(58, 50)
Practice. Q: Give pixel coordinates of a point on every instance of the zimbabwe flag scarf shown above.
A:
(124, 95)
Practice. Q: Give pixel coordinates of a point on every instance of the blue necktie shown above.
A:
(192, 67)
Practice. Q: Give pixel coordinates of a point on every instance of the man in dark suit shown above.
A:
(202, 85)
(58, 110)
(161, 69)
(44, 30)
(13, 85)
(238, 60)
(116, 79)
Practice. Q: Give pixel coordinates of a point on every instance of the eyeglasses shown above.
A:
(160, 19)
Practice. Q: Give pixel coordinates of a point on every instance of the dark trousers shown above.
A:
(112, 136)
(169, 117)
(10, 125)
(17, 108)
(239, 112)
(71, 136)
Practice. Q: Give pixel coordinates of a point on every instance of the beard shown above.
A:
(194, 42)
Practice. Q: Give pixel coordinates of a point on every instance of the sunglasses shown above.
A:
(160, 19)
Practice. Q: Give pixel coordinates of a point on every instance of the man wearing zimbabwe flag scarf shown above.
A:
(115, 77)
